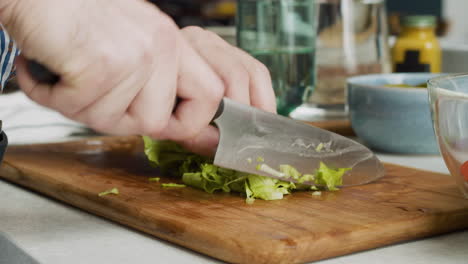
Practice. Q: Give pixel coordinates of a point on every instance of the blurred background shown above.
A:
(452, 27)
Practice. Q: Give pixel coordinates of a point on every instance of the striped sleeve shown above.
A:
(8, 53)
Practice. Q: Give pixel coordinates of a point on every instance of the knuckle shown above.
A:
(146, 51)
(216, 94)
(200, 36)
(71, 110)
(169, 44)
(262, 70)
(108, 60)
(165, 23)
(213, 36)
(152, 128)
(238, 78)
(189, 132)
(165, 28)
(193, 30)
(100, 124)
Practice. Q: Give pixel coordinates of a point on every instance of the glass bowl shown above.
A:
(448, 96)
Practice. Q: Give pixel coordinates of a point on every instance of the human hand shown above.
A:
(122, 64)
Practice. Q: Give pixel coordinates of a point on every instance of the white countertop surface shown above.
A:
(55, 233)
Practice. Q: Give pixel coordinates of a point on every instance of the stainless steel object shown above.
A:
(248, 134)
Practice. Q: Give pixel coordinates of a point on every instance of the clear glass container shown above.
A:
(281, 34)
(352, 39)
(449, 107)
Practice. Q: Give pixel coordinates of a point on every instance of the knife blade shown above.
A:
(248, 134)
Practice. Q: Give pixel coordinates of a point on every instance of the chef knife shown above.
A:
(250, 137)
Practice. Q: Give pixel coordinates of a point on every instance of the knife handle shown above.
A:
(43, 75)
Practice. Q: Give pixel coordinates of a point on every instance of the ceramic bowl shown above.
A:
(392, 119)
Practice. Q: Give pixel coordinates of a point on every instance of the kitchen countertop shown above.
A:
(53, 232)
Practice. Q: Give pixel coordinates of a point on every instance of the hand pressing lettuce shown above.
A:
(199, 172)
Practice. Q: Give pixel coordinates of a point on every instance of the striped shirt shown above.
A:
(8, 53)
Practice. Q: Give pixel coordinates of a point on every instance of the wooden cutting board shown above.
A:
(406, 204)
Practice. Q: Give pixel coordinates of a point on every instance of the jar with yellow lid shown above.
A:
(417, 48)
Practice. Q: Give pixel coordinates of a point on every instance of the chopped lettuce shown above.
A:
(265, 188)
(265, 168)
(329, 177)
(111, 191)
(290, 171)
(172, 185)
(199, 172)
(319, 147)
(154, 179)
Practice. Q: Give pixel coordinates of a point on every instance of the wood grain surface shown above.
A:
(406, 204)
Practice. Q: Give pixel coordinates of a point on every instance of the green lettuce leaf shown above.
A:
(154, 179)
(290, 171)
(111, 191)
(265, 188)
(329, 177)
(172, 185)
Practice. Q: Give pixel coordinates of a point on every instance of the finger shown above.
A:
(261, 90)
(108, 113)
(86, 103)
(201, 92)
(204, 143)
(154, 104)
(220, 56)
(77, 91)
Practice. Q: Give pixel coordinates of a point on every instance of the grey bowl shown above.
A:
(392, 119)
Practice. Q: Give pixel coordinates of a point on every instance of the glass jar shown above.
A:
(281, 34)
(352, 39)
(417, 48)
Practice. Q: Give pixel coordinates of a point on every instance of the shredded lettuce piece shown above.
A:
(265, 188)
(154, 179)
(317, 193)
(170, 157)
(199, 172)
(250, 199)
(319, 147)
(329, 177)
(173, 185)
(306, 178)
(290, 171)
(111, 191)
(265, 168)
